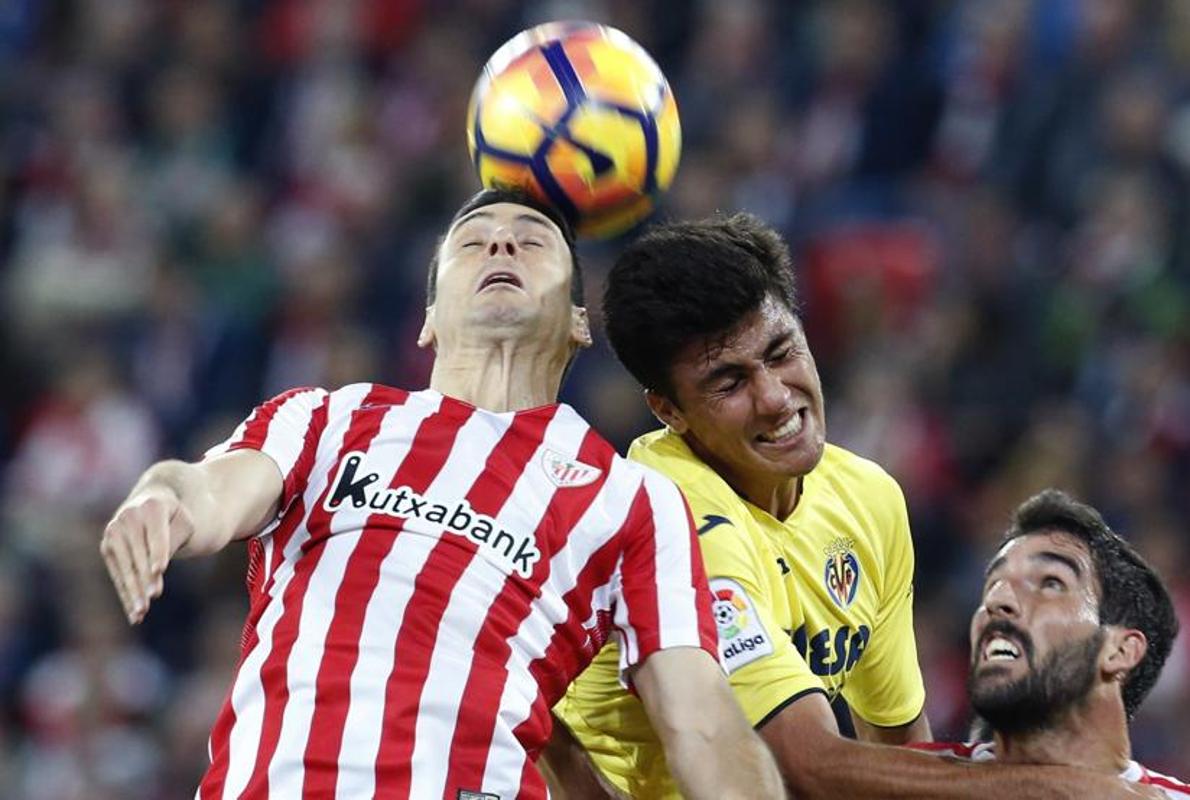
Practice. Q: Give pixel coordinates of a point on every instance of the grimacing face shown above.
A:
(503, 268)
(752, 408)
(1036, 640)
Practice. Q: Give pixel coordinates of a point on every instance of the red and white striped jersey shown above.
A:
(437, 576)
(986, 751)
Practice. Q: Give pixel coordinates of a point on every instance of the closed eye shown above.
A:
(471, 244)
(532, 243)
(727, 386)
(781, 355)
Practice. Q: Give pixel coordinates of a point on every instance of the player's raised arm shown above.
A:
(178, 508)
(709, 746)
(818, 763)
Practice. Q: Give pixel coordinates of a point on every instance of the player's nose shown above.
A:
(772, 396)
(502, 242)
(1001, 600)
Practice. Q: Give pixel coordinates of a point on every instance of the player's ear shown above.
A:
(1123, 650)
(666, 411)
(427, 337)
(580, 327)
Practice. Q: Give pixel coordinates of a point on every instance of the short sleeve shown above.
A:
(750, 605)
(287, 429)
(886, 688)
(662, 600)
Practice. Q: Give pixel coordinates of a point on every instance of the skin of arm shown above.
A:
(184, 509)
(818, 763)
(916, 731)
(569, 771)
(707, 740)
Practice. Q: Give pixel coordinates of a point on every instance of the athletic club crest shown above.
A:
(566, 473)
(842, 572)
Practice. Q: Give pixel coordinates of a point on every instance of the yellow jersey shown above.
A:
(820, 601)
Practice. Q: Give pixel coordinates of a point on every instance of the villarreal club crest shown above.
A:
(842, 572)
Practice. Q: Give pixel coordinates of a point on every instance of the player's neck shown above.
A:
(778, 499)
(777, 496)
(1093, 736)
(501, 375)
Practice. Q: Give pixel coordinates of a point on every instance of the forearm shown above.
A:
(208, 530)
(721, 764)
(841, 768)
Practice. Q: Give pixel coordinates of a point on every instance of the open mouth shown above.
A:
(501, 278)
(998, 648)
(786, 430)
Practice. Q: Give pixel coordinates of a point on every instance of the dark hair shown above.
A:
(520, 197)
(1131, 593)
(683, 282)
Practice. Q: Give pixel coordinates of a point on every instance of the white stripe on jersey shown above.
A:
(462, 618)
(676, 621)
(365, 712)
(382, 618)
(466, 614)
(602, 520)
(386, 610)
(286, 774)
(247, 694)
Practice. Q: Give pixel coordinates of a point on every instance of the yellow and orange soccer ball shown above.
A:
(580, 116)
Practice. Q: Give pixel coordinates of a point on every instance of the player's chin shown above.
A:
(793, 460)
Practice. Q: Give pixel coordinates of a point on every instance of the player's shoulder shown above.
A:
(840, 466)
(667, 453)
(1173, 787)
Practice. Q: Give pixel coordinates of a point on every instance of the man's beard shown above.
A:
(1036, 700)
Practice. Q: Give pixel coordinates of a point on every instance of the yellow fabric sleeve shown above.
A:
(886, 686)
(755, 616)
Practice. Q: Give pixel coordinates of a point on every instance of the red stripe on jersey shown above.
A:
(418, 632)
(565, 656)
(255, 433)
(957, 749)
(299, 475)
(640, 561)
(476, 721)
(361, 576)
(708, 631)
(532, 787)
(1165, 782)
(274, 672)
(256, 429)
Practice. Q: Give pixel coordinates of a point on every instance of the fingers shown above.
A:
(108, 549)
(135, 550)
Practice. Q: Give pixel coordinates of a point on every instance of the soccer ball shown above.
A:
(580, 116)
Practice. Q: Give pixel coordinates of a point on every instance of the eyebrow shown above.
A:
(1045, 555)
(777, 342)
(480, 213)
(1053, 557)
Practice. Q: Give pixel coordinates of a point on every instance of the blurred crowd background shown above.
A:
(203, 202)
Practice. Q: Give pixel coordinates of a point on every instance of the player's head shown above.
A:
(506, 266)
(1070, 615)
(704, 316)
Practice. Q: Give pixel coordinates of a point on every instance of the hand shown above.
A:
(138, 543)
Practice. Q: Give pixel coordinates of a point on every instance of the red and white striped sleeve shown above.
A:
(663, 599)
(286, 429)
